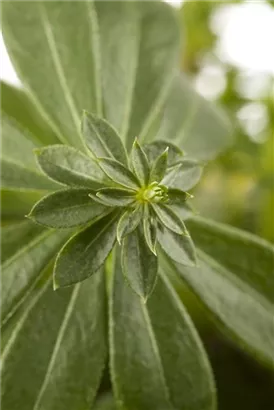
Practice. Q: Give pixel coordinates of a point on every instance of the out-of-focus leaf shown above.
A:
(16, 204)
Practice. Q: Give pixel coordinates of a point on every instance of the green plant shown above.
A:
(116, 60)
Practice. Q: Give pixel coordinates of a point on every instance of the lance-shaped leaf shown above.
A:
(155, 148)
(56, 353)
(22, 267)
(184, 210)
(193, 123)
(139, 264)
(184, 175)
(118, 173)
(134, 91)
(70, 167)
(102, 139)
(128, 222)
(144, 340)
(180, 248)
(18, 167)
(68, 78)
(150, 229)
(66, 209)
(116, 196)
(139, 163)
(177, 197)
(169, 219)
(159, 167)
(85, 252)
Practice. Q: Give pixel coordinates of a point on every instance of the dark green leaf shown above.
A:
(140, 265)
(157, 359)
(65, 209)
(116, 196)
(150, 229)
(128, 222)
(140, 163)
(55, 344)
(102, 139)
(70, 167)
(159, 167)
(184, 210)
(184, 175)
(177, 197)
(16, 204)
(119, 173)
(169, 218)
(154, 149)
(180, 248)
(85, 252)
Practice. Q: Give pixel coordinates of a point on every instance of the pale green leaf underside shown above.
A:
(57, 350)
(184, 175)
(153, 334)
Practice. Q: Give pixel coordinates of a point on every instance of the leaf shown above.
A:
(85, 252)
(169, 219)
(140, 163)
(150, 229)
(70, 167)
(23, 266)
(50, 365)
(134, 91)
(118, 173)
(144, 340)
(155, 148)
(16, 204)
(128, 222)
(139, 264)
(105, 402)
(184, 175)
(102, 139)
(159, 167)
(177, 197)
(68, 78)
(116, 196)
(66, 209)
(184, 210)
(17, 105)
(179, 248)
(193, 123)
(18, 167)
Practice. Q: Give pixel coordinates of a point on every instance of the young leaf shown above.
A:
(54, 345)
(85, 252)
(140, 265)
(128, 222)
(70, 167)
(102, 139)
(177, 197)
(180, 248)
(140, 163)
(154, 334)
(116, 196)
(66, 209)
(150, 229)
(119, 173)
(159, 167)
(184, 175)
(169, 219)
(155, 148)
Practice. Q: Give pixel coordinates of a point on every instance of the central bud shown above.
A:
(152, 193)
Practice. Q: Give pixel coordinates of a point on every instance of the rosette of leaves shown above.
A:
(118, 61)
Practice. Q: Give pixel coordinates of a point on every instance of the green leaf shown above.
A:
(150, 229)
(119, 173)
(159, 167)
(18, 167)
(155, 148)
(105, 402)
(177, 197)
(131, 32)
(22, 268)
(184, 210)
(85, 252)
(140, 163)
(16, 204)
(193, 123)
(16, 104)
(184, 175)
(55, 344)
(70, 167)
(180, 248)
(170, 370)
(116, 196)
(68, 78)
(139, 264)
(102, 139)
(169, 219)
(128, 222)
(66, 209)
